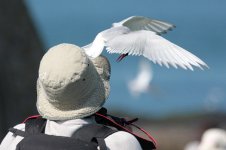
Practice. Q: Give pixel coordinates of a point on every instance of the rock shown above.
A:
(20, 53)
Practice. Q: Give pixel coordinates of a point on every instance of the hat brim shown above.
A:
(92, 105)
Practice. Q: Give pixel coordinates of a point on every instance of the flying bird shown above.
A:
(141, 83)
(138, 35)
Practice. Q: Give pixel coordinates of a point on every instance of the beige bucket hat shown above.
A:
(70, 85)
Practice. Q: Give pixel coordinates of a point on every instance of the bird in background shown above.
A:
(138, 35)
(141, 83)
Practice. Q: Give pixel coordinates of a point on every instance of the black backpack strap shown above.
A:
(32, 126)
(94, 133)
(17, 132)
(35, 126)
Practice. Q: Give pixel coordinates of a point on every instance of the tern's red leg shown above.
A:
(121, 57)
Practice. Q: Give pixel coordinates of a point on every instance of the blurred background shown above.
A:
(178, 105)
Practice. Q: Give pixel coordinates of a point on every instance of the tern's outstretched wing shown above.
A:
(136, 23)
(155, 48)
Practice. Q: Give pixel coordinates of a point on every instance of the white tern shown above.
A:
(138, 35)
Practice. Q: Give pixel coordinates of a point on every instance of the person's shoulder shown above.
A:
(10, 140)
(123, 140)
(10, 135)
(123, 135)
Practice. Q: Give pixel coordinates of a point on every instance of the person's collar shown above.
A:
(86, 120)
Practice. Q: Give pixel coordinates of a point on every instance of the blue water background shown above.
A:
(201, 29)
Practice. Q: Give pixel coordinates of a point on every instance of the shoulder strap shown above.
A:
(35, 126)
(94, 133)
(32, 126)
(17, 132)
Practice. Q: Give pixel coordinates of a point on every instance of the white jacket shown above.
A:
(117, 141)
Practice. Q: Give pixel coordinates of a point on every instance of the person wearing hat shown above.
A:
(70, 88)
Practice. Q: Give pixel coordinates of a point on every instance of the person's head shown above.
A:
(70, 85)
